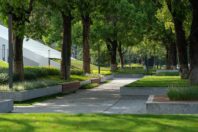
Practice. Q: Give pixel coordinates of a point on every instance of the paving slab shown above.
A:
(103, 99)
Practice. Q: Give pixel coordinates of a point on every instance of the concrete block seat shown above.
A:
(96, 80)
(70, 87)
(6, 106)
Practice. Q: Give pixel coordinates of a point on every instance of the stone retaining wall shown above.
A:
(171, 107)
(31, 94)
(143, 91)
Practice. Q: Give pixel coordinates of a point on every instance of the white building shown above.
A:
(35, 53)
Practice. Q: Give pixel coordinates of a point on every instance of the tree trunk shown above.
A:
(168, 58)
(121, 55)
(112, 48)
(171, 56)
(181, 48)
(66, 46)
(180, 42)
(18, 57)
(86, 20)
(194, 44)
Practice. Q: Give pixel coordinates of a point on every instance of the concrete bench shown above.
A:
(70, 87)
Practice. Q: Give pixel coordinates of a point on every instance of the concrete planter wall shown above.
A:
(161, 71)
(171, 107)
(6, 106)
(70, 87)
(106, 78)
(143, 91)
(31, 94)
(85, 82)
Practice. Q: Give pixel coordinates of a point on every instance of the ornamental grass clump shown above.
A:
(183, 93)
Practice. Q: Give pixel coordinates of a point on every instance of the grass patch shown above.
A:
(97, 122)
(159, 81)
(178, 93)
(90, 86)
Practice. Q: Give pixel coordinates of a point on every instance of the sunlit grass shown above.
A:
(159, 81)
(97, 123)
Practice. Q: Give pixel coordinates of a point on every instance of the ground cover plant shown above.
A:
(159, 81)
(179, 93)
(97, 122)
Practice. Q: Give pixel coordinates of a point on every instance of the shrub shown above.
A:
(38, 72)
(27, 85)
(183, 93)
(3, 78)
(77, 72)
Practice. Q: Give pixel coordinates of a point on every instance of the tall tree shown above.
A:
(20, 11)
(194, 43)
(65, 10)
(175, 7)
(86, 8)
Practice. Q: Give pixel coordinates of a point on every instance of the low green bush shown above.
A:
(178, 93)
(27, 85)
(77, 72)
(3, 78)
(41, 71)
(30, 73)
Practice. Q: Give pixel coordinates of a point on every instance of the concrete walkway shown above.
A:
(103, 99)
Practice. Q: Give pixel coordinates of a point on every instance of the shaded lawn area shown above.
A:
(159, 81)
(97, 122)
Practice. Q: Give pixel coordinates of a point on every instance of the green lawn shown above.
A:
(97, 123)
(78, 65)
(159, 81)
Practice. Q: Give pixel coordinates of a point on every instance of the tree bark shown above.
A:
(86, 20)
(180, 42)
(194, 44)
(112, 48)
(18, 57)
(66, 46)
(171, 56)
(121, 55)
(181, 48)
(19, 20)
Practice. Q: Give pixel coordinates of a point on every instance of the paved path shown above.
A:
(103, 99)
